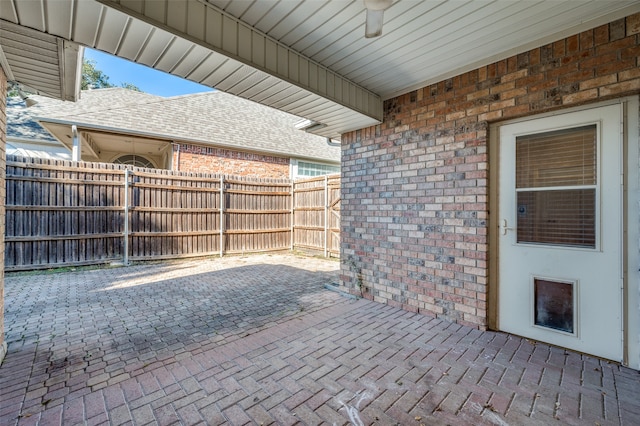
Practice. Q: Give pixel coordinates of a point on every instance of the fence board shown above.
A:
(61, 213)
(316, 215)
(58, 214)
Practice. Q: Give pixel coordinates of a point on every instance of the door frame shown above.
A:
(629, 220)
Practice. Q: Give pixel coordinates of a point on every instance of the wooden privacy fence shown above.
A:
(316, 214)
(60, 213)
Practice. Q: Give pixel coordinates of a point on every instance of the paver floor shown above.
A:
(259, 340)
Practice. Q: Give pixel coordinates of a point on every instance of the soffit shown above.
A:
(96, 143)
(422, 42)
(40, 62)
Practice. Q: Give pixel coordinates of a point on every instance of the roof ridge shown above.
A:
(144, 98)
(171, 99)
(189, 95)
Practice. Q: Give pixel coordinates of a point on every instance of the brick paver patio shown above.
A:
(259, 340)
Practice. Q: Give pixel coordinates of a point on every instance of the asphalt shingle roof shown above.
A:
(209, 118)
(21, 123)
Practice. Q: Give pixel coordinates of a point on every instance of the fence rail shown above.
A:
(61, 213)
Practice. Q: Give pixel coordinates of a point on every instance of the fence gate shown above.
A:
(316, 214)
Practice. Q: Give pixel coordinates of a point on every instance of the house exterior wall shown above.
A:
(3, 145)
(415, 188)
(194, 158)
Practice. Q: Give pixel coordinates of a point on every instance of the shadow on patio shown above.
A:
(259, 340)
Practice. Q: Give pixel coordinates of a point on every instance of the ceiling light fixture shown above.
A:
(375, 15)
(14, 85)
(27, 100)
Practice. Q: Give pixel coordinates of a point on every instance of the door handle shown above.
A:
(504, 228)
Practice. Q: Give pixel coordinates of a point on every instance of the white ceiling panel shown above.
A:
(314, 23)
(38, 61)
(436, 45)
(306, 104)
(174, 54)
(190, 61)
(8, 12)
(240, 75)
(85, 29)
(501, 34)
(133, 39)
(401, 31)
(423, 41)
(210, 63)
(268, 92)
(289, 97)
(222, 72)
(237, 8)
(59, 19)
(29, 13)
(275, 15)
(300, 15)
(113, 27)
(341, 24)
(250, 81)
(262, 89)
(155, 47)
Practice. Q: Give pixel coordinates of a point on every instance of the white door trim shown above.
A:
(630, 220)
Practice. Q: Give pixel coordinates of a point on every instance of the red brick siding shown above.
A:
(3, 145)
(193, 158)
(414, 189)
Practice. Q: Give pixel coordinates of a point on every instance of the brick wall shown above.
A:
(414, 189)
(193, 158)
(3, 144)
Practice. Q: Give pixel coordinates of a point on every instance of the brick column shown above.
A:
(3, 145)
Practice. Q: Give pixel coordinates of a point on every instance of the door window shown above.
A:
(556, 185)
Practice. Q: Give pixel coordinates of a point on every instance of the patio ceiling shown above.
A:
(41, 63)
(310, 58)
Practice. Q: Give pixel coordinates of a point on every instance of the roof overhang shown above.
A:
(97, 140)
(40, 63)
(311, 58)
(238, 59)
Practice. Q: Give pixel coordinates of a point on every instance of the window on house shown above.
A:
(315, 169)
(134, 160)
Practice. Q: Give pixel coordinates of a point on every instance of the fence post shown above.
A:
(326, 213)
(125, 232)
(292, 213)
(221, 216)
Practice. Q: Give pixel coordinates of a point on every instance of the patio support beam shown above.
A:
(221, 216)
(75, 149)
(346, 105)
(125, 231)
(326, 213)
(292, 213)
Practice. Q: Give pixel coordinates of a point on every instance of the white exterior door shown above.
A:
(560, 230)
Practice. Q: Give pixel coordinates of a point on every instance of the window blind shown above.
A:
(556, 177)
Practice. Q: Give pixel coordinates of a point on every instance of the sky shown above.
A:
(147, 79)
